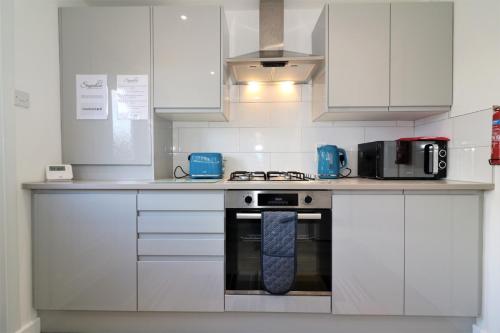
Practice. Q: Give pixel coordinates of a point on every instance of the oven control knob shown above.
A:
(248, 199)
(308, 199)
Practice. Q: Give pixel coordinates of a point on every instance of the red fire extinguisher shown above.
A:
(495, 137)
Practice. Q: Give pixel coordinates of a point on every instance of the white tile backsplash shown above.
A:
(269, 139)
(277, 134)
(431, 119)
(436, 128)
(387, 133)
(286, 114)
(473, 129)
(470, 163)
(345, 137)
(304, 162)
(246, 161)
(469, 148)
(202, 139)
(181, 159)
(249, 115)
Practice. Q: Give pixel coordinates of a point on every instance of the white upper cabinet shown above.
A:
(384, 61)
(421, 55)
(188, 67)
(108, 41)
(359, 55)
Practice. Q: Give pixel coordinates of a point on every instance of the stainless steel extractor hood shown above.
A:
(271, 63)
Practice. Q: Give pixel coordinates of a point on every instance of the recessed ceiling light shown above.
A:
(184, 17)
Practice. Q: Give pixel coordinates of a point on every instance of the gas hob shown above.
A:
(270, 176)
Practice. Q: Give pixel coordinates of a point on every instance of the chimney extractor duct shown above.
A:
(272, 63)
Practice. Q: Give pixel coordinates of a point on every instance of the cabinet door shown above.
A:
(359, 55)
(181, 285)
(187, 57)
(85, 250)
(368, 254)
(111, 41)
(421, 54)
(443, 251)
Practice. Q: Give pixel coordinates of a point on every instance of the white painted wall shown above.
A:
(9, 211)
(31, 138)
(5, 41)
(38, 141)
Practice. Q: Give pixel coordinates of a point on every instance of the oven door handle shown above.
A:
(258, 216)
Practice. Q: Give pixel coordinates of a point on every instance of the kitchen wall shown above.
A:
(469, 147)
(32, 137)
(270, 126)
(476, 88)
(271, 129)
(8, 248)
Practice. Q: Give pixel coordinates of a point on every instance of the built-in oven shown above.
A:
(313, 245)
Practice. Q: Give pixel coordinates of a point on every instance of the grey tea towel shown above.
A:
(278, 259)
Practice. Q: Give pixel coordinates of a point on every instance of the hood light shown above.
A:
(253, 86)
(184, 17)
(286, 86)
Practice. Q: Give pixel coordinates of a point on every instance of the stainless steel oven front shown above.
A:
(243, 240)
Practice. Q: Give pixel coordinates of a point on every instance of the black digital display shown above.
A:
(278, 199)
(57, 168)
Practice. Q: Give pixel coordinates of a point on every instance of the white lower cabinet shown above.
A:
(180, 251)
(417, 254)
(368, 253)
(181, 285)
(443, 255)
(84, 250)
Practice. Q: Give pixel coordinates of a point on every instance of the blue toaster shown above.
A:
(206, 165)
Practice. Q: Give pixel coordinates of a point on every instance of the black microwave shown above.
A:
(412, 158)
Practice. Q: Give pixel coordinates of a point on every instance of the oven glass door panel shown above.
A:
(243, 242)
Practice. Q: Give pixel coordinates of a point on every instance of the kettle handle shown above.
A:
(343, 164)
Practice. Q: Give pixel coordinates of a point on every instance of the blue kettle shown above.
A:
(331, 160)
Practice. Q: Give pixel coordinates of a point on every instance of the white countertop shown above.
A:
(334, 184)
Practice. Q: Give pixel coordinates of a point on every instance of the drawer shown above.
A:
(181, 286)
(181, 246)
(268, 303)
(180, 200)
(181, 222)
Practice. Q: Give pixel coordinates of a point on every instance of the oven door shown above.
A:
(312, 289)
(314, 253)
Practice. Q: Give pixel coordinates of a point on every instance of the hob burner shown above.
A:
(270, 176)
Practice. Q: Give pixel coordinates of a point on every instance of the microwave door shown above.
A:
(417, 167)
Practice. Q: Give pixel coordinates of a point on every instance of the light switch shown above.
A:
(22, 99)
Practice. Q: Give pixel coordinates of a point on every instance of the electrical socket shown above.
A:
(22, 99)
